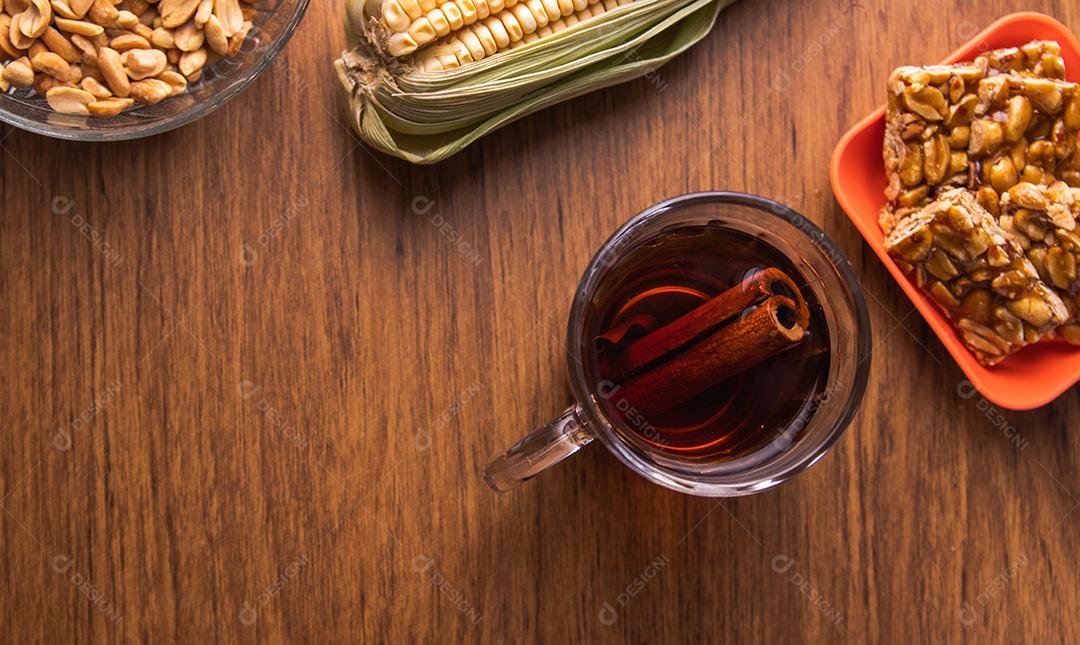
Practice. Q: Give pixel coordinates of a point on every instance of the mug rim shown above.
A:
(621, 448)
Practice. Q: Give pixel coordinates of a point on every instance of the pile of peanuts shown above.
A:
(100, 57)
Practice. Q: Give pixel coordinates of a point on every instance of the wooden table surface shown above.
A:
(251, 371)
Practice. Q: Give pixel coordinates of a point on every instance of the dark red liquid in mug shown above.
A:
(762, 409)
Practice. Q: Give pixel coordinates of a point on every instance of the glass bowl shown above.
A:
(274, 23)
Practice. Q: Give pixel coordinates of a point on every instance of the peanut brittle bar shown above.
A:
(977, 273)
(986, 125)
(1043, 221)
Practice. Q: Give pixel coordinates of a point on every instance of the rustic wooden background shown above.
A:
(250, 373)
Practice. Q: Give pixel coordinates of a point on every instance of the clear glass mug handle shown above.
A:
(542, 448)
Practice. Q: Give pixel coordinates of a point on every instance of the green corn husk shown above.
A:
(425, 117)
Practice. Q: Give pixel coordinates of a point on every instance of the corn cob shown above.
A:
(463, 17)
(426, 78)
(506, 30)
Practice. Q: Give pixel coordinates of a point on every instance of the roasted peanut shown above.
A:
(927, 102)
(959, 137)
(95, 87)
(956, 88)
(1028, 196)
(64, 10)
(1061, 217)
(955, 245)
(237, 40)
(1071, 115)
(215, 36)
(987, 197)
(203, 13)
(142, 31)
(958, 162)
(103, 12)
(16, 35)
(109, 107)
(176, 12)
(79, 27)
(994, 91)
(1031, 310)
(112, 68)
(1029, 223)
(150, 91)
(1046, 94)
(59, 44)
(976, 305)
(5, 40)
(191, 63)
(941, 294)
(913, 197)
(961, 113)
(911, 166)
(1064, 140)
(959, 220)
(997, 256)
(228, 12)
(86, 48)
(1043, 154)
(1052, 66)
(69, 100)
(19, 73)
(915, 247)
(1032, 174)
(162, 38)
(37, 47)
(936, 155)
(1018, 118)
(1011, 283)
(940, 266)
(189, 37)
(986, 136)
(1061, 267)
(126, 20)
(35, 20)
(175, 80)
(1037, 256)
(143, 63)
(55, 66)
(1003, 174)
(125, 42)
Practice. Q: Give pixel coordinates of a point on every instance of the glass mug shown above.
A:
(824, 271)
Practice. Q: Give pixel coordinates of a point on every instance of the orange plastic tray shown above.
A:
(1035, 375)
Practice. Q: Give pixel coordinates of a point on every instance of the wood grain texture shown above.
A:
(204, 441)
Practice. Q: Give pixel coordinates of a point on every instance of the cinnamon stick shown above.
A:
(715, 313)
(634, 328)
(772, 327)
